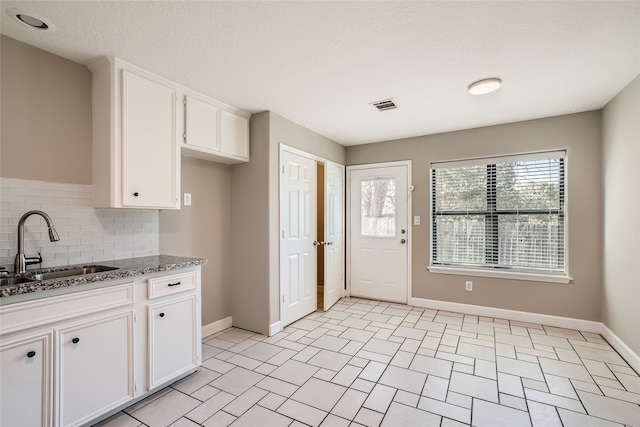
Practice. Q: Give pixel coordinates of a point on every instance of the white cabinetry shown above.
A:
(25, 367)
(214, 131)
(95, 367)
(201, 124)
(172, 339)
(71, 359)
(174, 335)
(234, 135)
(39, 355)
(136, 159)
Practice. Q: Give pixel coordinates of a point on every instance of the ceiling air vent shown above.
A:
(384, 105)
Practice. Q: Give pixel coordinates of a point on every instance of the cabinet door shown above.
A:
(95, 374)
(25, 366)
(172, 339)
(234, 134)
(201, 124)
(148, 143)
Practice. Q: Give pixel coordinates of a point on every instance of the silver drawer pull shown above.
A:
(174, 284)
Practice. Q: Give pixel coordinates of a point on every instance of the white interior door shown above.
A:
(334, 235)
(298, 257)
(379, 232)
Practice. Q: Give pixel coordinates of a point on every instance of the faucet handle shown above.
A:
(33, 259)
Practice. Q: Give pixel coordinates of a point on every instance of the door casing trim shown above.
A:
(347, 221)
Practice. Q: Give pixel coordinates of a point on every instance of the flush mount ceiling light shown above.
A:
(29, 19)
(485, 86)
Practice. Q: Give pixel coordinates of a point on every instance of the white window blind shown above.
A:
(500, 213)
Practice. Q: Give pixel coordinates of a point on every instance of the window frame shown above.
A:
(492, 215)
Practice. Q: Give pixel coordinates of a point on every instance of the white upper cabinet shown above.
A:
(201, 124)
(148, 143)
(142, 123)
(215, 131)
(234, 134)
(136, 158)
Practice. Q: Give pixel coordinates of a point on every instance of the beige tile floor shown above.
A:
(368, 363)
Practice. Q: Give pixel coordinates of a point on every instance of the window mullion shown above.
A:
(491, 223)
(434, 223)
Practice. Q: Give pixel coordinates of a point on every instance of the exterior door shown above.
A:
(334, 235)
(379, 232)
(298, 257)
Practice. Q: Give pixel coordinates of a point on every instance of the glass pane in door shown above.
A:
(378, 207)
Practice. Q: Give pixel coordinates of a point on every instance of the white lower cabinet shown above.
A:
(73, 359)
(172, 339)
(25, 368)
(95, 367)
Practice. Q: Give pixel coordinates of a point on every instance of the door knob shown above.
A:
(403, 241)
(403, 231)
(316, 243)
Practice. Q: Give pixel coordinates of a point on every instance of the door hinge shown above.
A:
(283, 234)
(184, 136)
(135, 387)
(283, 169)
(184, 101)
(283, 299)
(135, 318)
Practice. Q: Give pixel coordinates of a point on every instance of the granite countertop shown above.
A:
(125, 268)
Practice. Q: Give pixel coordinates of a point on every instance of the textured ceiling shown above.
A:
(321, 63)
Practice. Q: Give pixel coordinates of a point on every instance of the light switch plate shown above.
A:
(416, 220)
(187, 199)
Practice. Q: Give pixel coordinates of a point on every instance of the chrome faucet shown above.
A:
(22, 261)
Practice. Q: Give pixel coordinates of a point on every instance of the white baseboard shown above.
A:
(501, 313)
(627, 354)
(274, 328)
(217, 326)
(542, 319)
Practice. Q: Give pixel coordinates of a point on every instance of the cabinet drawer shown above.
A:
(167, 285)
(29, 314)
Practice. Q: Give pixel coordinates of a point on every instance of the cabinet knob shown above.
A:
(135, 194)
(31, 354)
(75, 340)
(161, 315)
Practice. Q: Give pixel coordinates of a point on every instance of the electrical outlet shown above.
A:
(187, 199)
(468, 285)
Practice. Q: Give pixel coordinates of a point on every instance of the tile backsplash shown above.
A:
(87, 235)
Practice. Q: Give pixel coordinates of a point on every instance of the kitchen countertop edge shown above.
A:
(128, 267)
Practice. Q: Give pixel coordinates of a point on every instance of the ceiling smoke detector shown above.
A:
(384, 105)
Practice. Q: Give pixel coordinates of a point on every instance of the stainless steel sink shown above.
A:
(7, 281)
(88, 269)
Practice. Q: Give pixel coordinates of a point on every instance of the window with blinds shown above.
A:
(501, 213)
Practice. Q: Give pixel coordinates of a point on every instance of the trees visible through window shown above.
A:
(378, 207)
(500, 213)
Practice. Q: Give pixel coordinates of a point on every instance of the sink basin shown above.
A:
(6, 281)
(88, 269)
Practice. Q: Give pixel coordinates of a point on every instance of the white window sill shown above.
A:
(532, 277)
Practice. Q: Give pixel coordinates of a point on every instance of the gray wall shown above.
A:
(580, 135)
(255, 217)
(46, 136)
(46, 115)
(621, 177)
(202, 230)
(250, 228)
